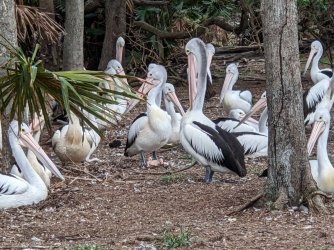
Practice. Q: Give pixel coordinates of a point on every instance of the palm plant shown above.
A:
(29, 84)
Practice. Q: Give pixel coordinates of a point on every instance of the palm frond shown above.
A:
(28, 83)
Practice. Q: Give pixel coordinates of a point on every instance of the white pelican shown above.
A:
(255, 144)
(210, 51)
(120, 43)
(170, 98)
(322, 169)
(156, 131)
(15, 191)
(36, 128)
(317, 74)
(234, 99)
(72, 142)
(214, 148)
(232, 125)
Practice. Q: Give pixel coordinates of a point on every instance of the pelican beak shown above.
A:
(257, 106)
(310, 57)
(28, 141)
(318, 128)
(141, 92)
(119, 53)
(34, 126)
(172, 96)
(210, 55)
(192, 78)
(227, 82)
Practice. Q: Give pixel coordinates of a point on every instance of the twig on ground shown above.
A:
(247, 205)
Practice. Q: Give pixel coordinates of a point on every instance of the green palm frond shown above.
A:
(29, 84)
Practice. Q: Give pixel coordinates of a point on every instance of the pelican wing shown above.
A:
(246, 95)
(327, 72)
(229, 125)
(252, 142)
(313, 96)
(12, 184)
(134, 129)
(208, 143)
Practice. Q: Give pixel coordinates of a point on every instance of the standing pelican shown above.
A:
(212, 147)
(72, 142)
(157, 129)
(45, 174)
(317, 74)
(15, 191)
(234, 99)
(322, 169)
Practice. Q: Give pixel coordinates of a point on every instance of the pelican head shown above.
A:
(231, 77)
(197, 62)
(169, 92)
(260, 104)
(321, 118)
(120, 43)
(116, 66)
(25, 139)
(316, 47)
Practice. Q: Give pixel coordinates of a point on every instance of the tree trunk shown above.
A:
(115, 12)
(7, 30)
(49, 49)
(73, 42)
(289, 175)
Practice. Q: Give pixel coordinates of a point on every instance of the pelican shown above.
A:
(120, 43)
(322, 169)
(262, 124)
(234, 99)
(15, 191)
(210, 51)
(255, 144)
(45, 174)
(317, 74)
(72, 142)
(232, 125)
(170, 98)
(212, 147)
(156, 131)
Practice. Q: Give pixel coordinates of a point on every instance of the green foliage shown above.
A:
(174, 240)
(170, 178)
(29, 84)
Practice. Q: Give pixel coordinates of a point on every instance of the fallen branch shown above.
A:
(247, 205)
(168, 172)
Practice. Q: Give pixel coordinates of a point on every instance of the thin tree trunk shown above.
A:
(7, 30)
(289, 174)
(73, 42)
(115, 12)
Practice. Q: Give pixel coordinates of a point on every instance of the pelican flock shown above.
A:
(219, 145)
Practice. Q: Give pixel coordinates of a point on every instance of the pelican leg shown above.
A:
(154, 155)
(143, 160)
(208, 174)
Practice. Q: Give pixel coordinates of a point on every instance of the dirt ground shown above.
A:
(117, 205)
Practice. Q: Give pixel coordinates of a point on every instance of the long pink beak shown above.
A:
(318, 128)
(310, 57)
(141, 92)
(192, 78)
(119, 53)
(261, 103)
(226, 85)
(173, 97)
(28, 141)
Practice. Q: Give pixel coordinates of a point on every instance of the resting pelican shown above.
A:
(234, 99)
(170, 98)
(156, 131)
(255, 144)
(317, 74)
(72, 142)
(36, 127)
(214, 148)
(322, 169)
(15, 191)
(120, 43)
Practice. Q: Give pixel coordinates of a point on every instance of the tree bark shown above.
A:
(289, 176)
(73, 42)
(9, 31)
(115, 12)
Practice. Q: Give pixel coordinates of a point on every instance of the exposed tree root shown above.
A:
(248, 204)
(316, 203)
